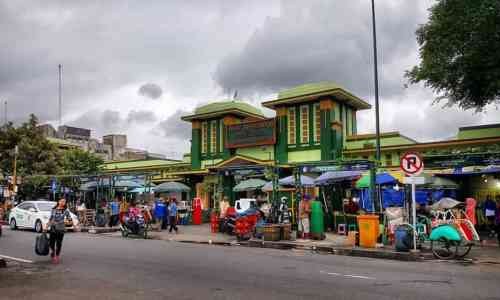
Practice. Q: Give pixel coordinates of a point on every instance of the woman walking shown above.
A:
(57, 228)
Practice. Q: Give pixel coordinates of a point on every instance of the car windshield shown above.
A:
(45, 206)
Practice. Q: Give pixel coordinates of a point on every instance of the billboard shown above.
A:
(251, 134)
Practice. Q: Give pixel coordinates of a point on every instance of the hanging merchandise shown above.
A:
(365, 201)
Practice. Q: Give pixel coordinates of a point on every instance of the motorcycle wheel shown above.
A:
(124, 232)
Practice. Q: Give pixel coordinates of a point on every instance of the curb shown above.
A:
(98, 230)
(392, 255)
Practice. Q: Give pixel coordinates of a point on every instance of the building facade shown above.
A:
(314, 124)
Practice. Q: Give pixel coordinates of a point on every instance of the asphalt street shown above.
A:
(104, 267)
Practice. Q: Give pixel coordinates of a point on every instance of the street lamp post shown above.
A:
(374, 193)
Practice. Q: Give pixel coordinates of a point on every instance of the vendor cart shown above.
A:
(452, 234)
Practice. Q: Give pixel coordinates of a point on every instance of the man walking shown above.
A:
(114, 207)
(172, 214)
(160, 209)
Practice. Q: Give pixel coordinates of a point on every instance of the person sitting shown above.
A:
(133, 213)
(351, 207)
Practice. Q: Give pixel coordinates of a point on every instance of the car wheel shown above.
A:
(13, 224)
(38, 226)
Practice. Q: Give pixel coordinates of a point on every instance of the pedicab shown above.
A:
(452, 234)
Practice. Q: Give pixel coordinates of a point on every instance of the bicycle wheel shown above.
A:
(443, 248)
(463, 249)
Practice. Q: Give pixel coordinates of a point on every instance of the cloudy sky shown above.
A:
(135, 67)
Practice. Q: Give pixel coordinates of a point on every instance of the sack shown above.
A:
(42, 245)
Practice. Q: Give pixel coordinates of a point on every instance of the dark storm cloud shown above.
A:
(141, 116)
(325, 40)
(150, 90)
(105, 45)
(174, 127)
(101, 122)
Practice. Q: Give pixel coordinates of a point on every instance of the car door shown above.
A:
(30, 215)
(20, 214)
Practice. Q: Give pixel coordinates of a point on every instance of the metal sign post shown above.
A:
(412, 165)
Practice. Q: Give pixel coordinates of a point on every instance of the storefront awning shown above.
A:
(304, 180)
(337, 176)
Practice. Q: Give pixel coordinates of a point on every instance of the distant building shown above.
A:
(73, 133)
(118, 143)
(48, 130)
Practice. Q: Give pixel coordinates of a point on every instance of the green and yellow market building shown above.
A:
(314, 130)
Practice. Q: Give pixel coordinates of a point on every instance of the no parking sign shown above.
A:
(412, 163)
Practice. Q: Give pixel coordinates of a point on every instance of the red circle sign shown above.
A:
(412, 163)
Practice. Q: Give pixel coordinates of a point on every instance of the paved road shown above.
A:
(113, 268)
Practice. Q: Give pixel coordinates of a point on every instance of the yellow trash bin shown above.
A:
(368, 230)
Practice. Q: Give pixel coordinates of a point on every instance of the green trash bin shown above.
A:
(317, 221)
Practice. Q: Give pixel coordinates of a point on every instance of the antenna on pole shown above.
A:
(60, 95)
(5, 113)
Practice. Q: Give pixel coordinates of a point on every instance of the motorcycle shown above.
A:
(135, 226)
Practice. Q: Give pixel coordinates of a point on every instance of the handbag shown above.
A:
(42, 245)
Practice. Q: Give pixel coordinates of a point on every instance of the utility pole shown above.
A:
(14, 172)
(375, 71)
(60, 95)
(374, 195)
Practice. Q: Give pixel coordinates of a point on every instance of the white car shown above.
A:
(35, 215)
(244, 204)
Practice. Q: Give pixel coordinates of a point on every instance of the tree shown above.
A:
(36, 155)
(78, 162)
(459, 53)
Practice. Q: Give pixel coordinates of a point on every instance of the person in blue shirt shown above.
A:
(160, 212)
(172, 214)
(114, 207)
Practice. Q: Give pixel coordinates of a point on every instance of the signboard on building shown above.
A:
(251, 134)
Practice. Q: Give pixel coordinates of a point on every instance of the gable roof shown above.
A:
(240, 160)
(236, 107)
(311, 91)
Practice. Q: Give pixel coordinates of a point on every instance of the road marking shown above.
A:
(16, 259)
(359, 276)
(348, 275)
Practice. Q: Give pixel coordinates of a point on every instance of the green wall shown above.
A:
(196, 149)
(479, 133)
(384, 141)
(303, 156)
(258, 152)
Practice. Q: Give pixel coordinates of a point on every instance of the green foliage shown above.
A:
(459, 52)
(36, 155)
(78, 162)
